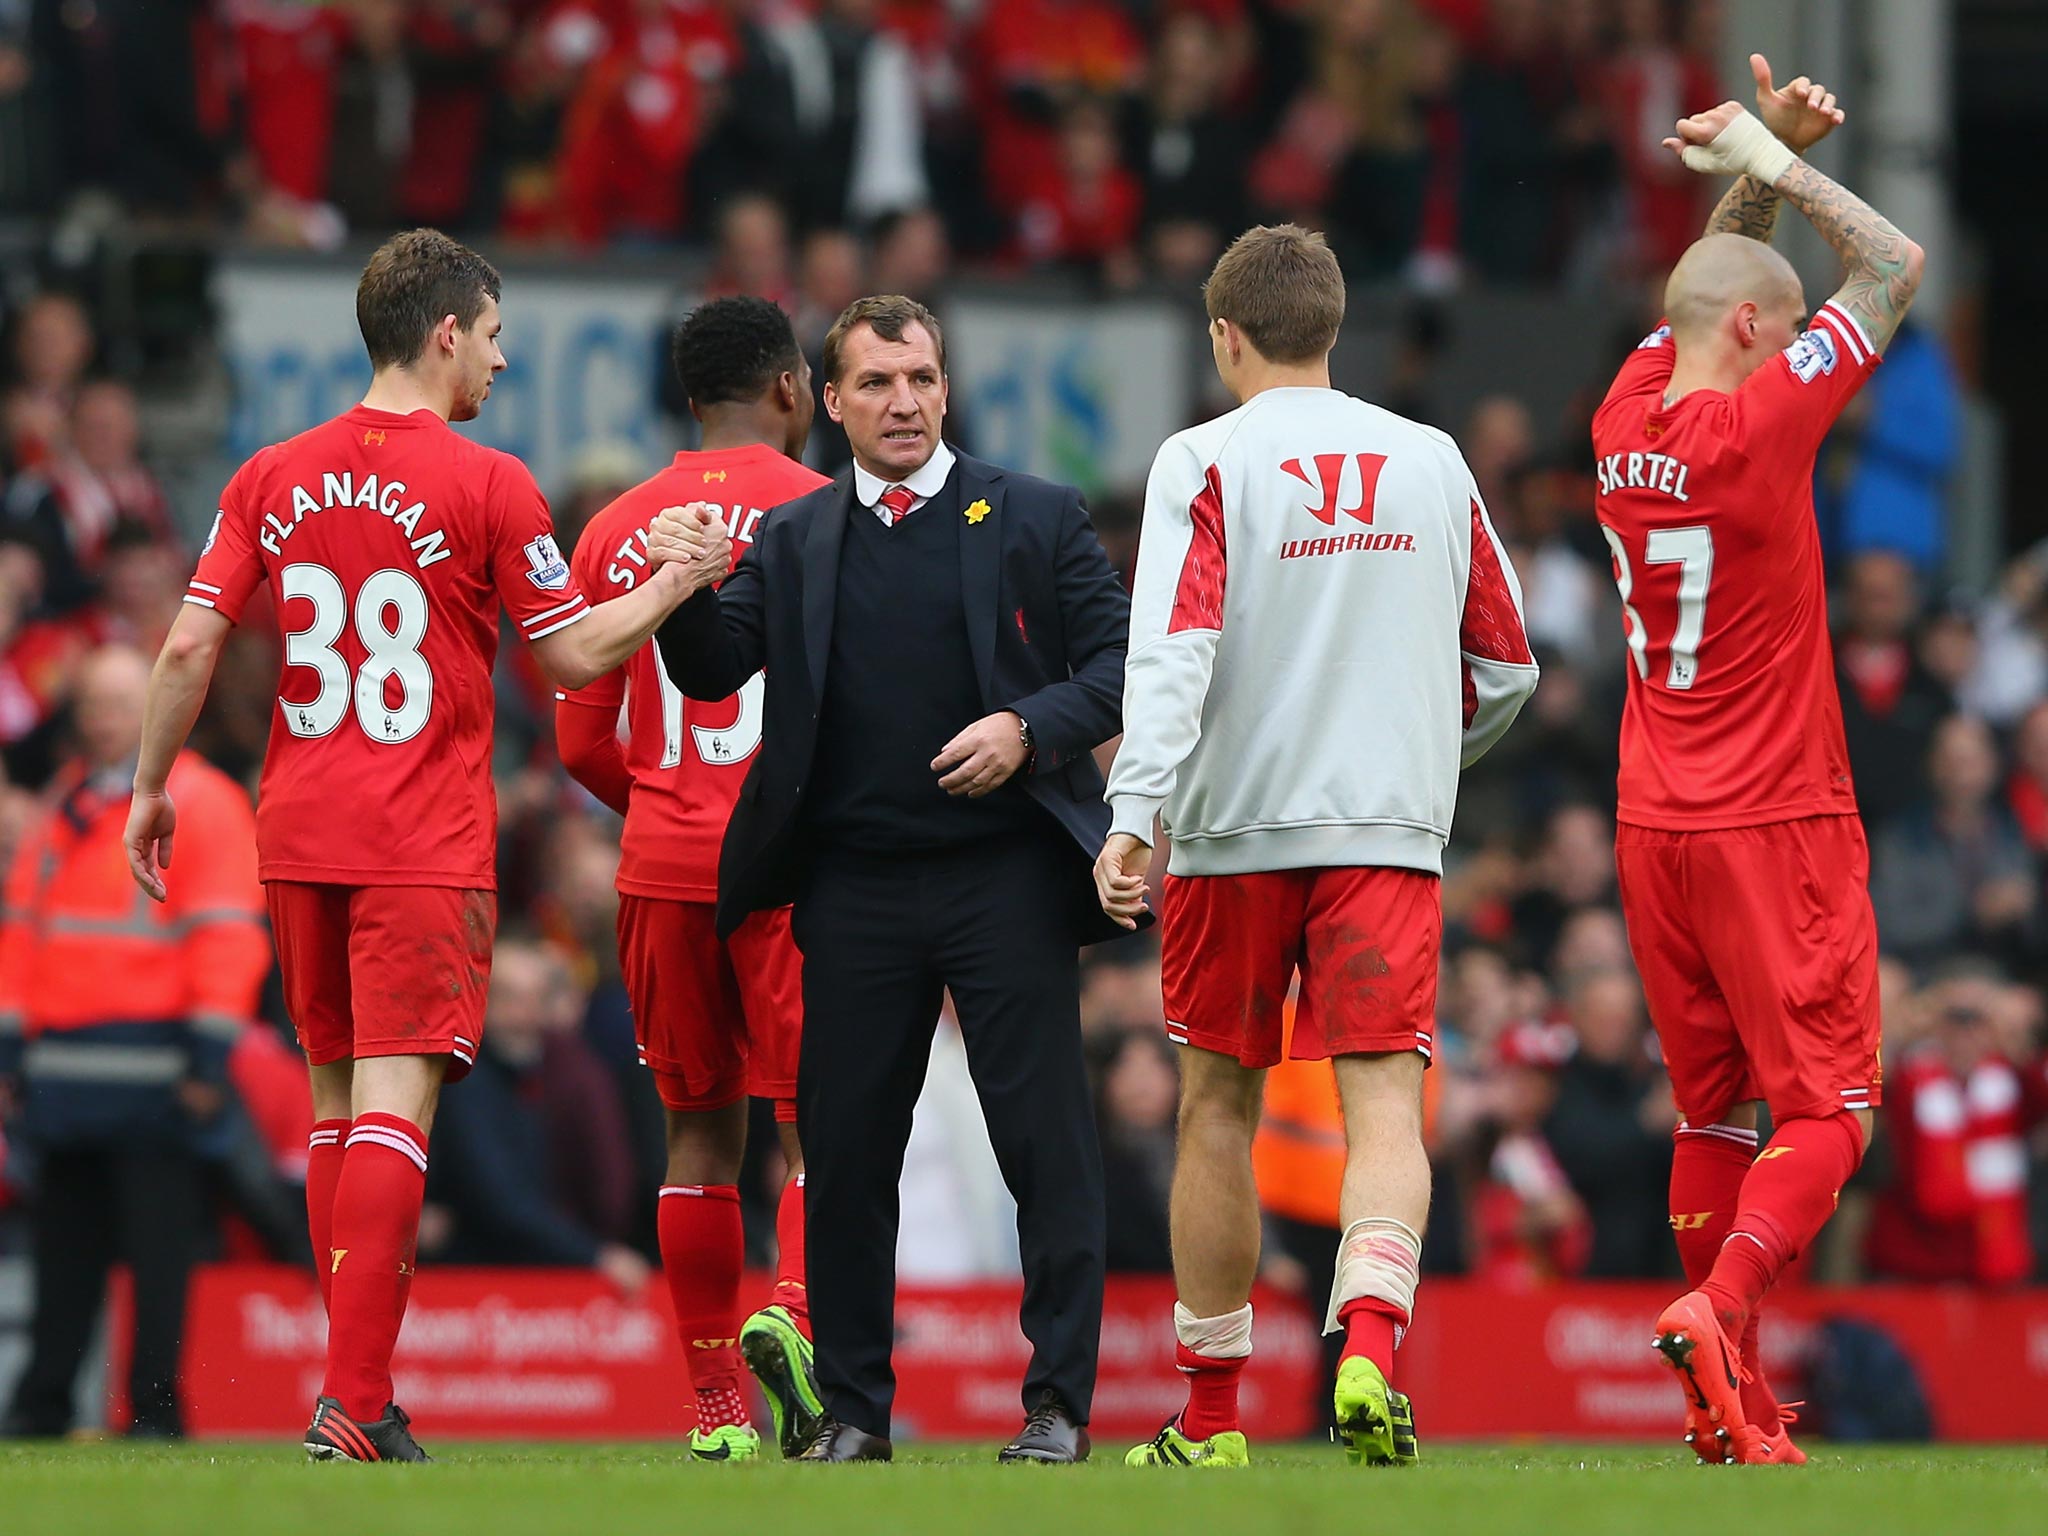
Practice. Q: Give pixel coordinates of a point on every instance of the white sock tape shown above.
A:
(1379, 1257)
(1744, 148)
(1228, 1337)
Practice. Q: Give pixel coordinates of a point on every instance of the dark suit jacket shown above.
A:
(1047, 621)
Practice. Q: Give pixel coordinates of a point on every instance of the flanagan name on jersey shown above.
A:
(387, 498)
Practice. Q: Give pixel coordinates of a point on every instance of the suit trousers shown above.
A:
(96, 1205)
(882, 937)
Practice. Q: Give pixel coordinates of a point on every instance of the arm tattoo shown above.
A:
(1882, 273)
(1750, 208)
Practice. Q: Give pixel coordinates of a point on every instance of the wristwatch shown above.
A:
(1030, 745)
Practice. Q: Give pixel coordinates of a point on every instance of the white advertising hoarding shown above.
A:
(584, 358)
(1078, 393)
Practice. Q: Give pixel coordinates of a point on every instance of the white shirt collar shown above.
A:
(926, 483)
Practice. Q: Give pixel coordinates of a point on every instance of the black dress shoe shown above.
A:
(1049, 1434)
(842, 1442)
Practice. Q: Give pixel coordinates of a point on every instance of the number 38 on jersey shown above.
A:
(1664, 635)
(392, 692)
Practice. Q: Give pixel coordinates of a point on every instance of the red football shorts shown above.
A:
(384, 970)
(716, 1019)
(1364, 940)
(1758, 952)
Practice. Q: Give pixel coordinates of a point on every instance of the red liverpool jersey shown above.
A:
(1732, 718)
(688, 759)
(388, 542)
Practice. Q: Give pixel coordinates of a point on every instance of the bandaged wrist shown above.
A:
(1744, 148)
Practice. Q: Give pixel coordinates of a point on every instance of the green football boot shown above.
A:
(1171, 1448)
(729, 1442)
(1375, 1422)
(783, 1361)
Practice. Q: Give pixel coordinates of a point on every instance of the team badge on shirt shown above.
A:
(1812, 355)
(549, 571)
(212, 534)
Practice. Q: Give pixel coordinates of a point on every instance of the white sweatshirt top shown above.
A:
(1324, 629)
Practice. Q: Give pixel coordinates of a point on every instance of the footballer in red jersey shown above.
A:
(717, 1020)
(1742, 863)
(388, 543)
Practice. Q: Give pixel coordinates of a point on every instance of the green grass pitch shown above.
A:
(615, 1490)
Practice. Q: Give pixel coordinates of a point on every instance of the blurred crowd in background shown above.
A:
(852, 144)
(1515, 138)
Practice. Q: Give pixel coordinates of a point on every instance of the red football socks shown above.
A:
(703, 1249)
(1787, 1196)
(376, 1224)
(1212, 1392)
(1759, 1402)
(324, 1154)
(789, 1292)
(1372, 1328)
(1708, 1165)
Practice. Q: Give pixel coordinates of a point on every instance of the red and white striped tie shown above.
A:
(896, 500)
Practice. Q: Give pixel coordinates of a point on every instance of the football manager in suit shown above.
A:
(944, 647)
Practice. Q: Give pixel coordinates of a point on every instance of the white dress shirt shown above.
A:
(926, 483)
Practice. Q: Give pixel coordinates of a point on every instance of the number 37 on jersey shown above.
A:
(1664, 635)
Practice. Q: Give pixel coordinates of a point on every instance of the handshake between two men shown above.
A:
(693, 536)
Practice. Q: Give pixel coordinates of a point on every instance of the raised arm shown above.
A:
(1748, 208)
(1883, 265)
(1800, 114)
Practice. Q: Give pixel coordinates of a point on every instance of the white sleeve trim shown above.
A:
(1851, 330)
(576, 617)
(545, 614)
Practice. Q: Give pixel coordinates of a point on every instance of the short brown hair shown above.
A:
(413, 281)
(1280, 284)
(888, 315)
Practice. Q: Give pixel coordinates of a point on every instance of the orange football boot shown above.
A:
(1778, 1449)
(1710, 1370)
(1783, 1452)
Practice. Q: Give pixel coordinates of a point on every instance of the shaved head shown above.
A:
(1734, 304)
(1720, 272)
